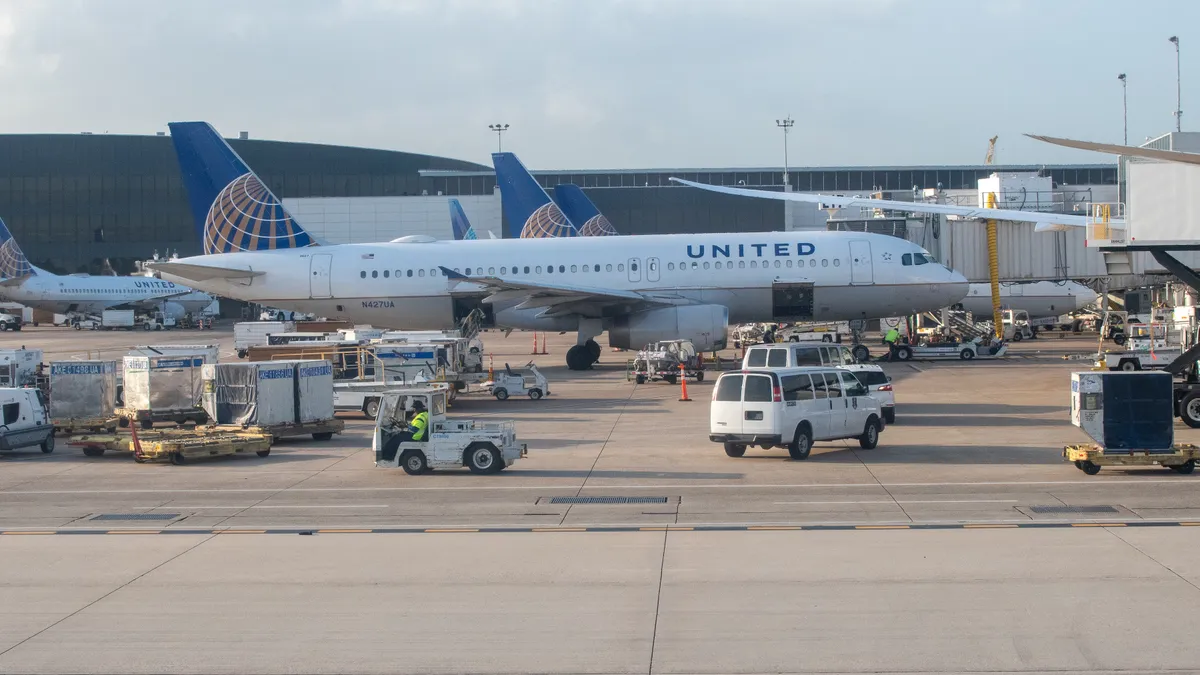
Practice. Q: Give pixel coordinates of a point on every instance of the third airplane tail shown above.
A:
(580, 209)
(529, 211)
(13, 263)
(460, 224)
(233, 208)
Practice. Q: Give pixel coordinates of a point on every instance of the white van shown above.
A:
(798, 354)
(791, 407)
(23, 420)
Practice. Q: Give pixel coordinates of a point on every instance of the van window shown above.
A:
(807, 356)
(758, 389)
(871, 378)
(757, 358)
(797, 388)
(777, 358)
(729, 388)
(833, 388)
(12, 411)
(852, 385)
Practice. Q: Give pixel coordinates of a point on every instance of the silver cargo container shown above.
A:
(314, 391)
(260, 393)
(163, 383)
(82, 389)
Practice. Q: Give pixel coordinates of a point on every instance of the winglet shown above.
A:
(579, 209)
(528, 209)
(232, 207)
(1128, 151)
(13, 263)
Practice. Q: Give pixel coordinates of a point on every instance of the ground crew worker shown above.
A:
(891, 338)
(419, 426)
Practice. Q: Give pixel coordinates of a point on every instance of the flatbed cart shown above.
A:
(1090, 457)
(147, 418)
(965, 351)
(78, 425)
(321, 430)
(176, 445)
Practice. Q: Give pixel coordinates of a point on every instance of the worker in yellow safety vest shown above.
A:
(419, 426)
(891, 338)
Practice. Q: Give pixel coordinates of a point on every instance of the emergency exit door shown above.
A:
(861, 269)
(318, 278)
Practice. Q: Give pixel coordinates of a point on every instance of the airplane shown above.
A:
(579, 209)
(670, 286)
(460, 224)
(34, 287)
(530, 212)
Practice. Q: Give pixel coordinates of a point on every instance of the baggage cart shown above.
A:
(177, 446)
(1090, 457)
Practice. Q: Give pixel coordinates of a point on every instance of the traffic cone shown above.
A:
(535, 351)
(544, 352)
(683, 396)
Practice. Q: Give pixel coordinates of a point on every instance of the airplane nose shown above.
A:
(1085, 297)
(956, 288)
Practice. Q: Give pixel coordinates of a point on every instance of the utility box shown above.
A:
(163, 383)
(1024, 191)
(82, 389)
(19, 367)
(1124, 411)
(250, 394)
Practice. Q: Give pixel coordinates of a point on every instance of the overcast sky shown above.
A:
(611, 83)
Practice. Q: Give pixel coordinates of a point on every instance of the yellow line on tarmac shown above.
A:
(881, 527)
(465, 529)
(679, 529)
(1190, 524)
(343, 531)
(29, 532)
(1097, 524)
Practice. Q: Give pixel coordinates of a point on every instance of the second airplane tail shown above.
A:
(233, 209)
(581, 210)
(460, 224)
(13, 263)
(527, 207)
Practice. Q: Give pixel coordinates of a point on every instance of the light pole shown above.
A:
(499, 129)
(786, 124)
(1124, 105)
(1178, 88)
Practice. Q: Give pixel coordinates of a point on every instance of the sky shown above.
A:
(612, 83)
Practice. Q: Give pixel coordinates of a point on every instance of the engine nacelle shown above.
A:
(704, 325)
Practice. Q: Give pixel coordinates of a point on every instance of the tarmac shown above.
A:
(963, 543)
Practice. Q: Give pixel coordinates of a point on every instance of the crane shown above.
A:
(991, 153)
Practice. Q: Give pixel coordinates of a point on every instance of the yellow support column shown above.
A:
(994, 268)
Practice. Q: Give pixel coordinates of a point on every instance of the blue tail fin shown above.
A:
(582, 211)
(529, 211)
(234, 210)
(458, 220)
(13, 263)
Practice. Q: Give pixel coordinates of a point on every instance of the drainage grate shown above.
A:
(1073, 509)
(608, 500)
(135, 516)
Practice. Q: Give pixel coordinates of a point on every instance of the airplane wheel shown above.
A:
(593, 349)
(579, 357)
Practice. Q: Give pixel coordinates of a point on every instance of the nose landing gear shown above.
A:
(581, 357)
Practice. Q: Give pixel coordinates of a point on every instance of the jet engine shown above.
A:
(704, 325)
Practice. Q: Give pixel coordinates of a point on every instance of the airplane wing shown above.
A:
(203, 272)
(560, 299)
(1045, 222)
(1148, 153)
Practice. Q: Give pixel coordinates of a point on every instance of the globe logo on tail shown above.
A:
(597, 226)
(547, 222)
(13, 264)
(245, 216)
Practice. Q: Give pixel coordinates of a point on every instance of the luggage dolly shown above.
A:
(1089, 457)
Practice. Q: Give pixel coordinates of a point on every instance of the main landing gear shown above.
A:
(581, 357)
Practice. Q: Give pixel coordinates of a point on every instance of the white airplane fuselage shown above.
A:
(1039, 298)
(93, 294)
(400, 285)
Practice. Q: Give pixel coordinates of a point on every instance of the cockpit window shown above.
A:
(920, 259)
(916, 259)
(906, 259)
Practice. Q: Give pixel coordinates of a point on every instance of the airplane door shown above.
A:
(861, 269)
(635, 269)
(652, 269)
(318, 279)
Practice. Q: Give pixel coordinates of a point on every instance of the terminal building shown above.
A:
(74, 201)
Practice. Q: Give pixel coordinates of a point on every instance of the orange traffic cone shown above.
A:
(535, 351)
(544, 352)
(683, 396)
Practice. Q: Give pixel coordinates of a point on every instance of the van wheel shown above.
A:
(870, 436)
(861, 353)
(801, 446)
(483, 458)
(966, 354)
(501, 394)
(48, 444)
(1016, 336)
(535, 394)
(413, 462)
(1129, 365)
(1119, 339)
(903, 353)
(735, 449)
(371, 408)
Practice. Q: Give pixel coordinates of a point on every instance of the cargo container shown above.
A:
(165, 387)
(283, 398)
(1124, 412)
(247, 334)
(83, 394)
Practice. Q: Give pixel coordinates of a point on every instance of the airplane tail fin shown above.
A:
(527, 207)
(233, 209)
(458, 220)
(13, 263)
(579, 209)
